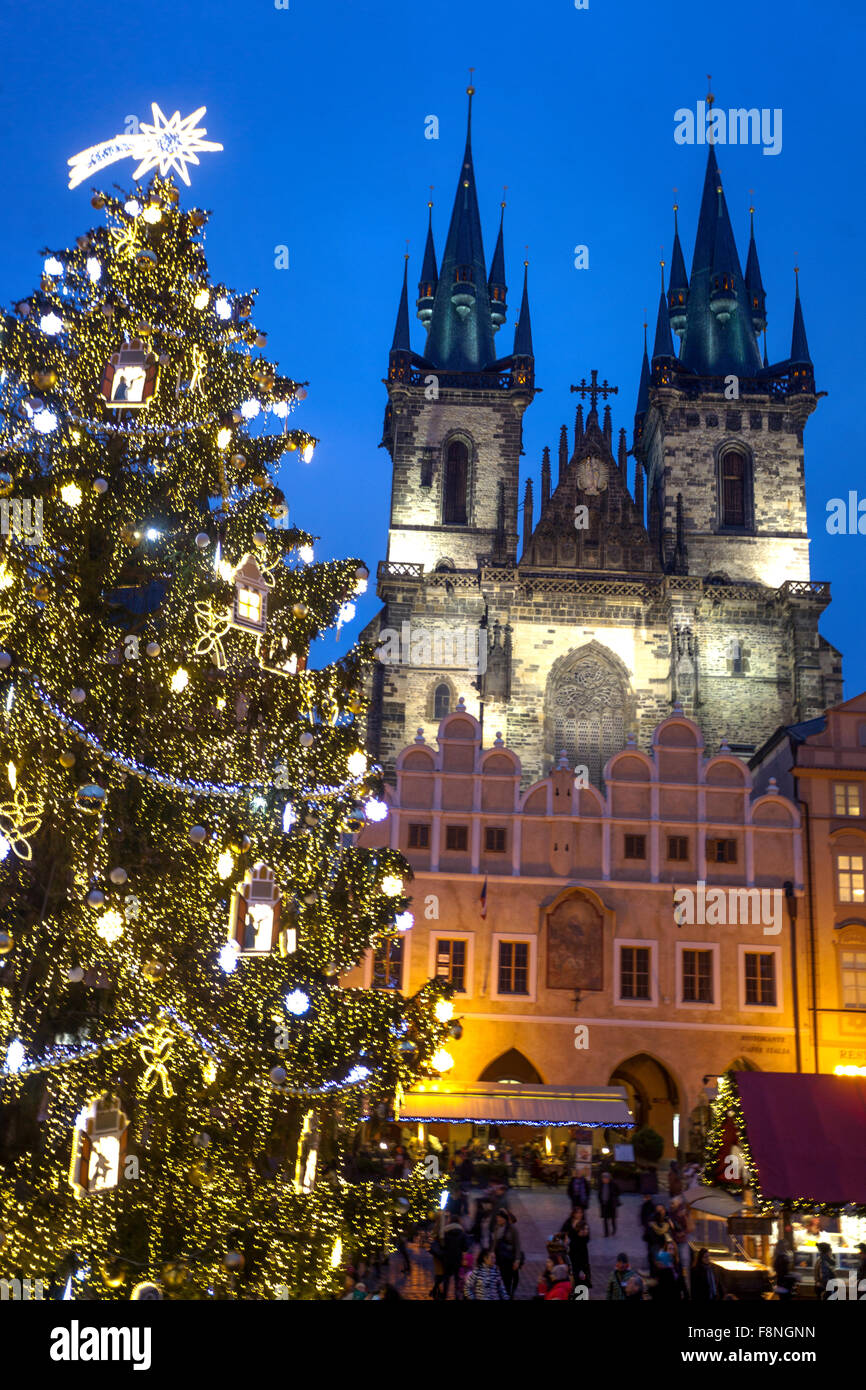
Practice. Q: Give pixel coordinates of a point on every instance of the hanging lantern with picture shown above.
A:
(129, 378)
(250, 607)
(98, 1147)
(255, 912)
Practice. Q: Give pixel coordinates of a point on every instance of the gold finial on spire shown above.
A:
(526, 249)
(470, 90)
(504, 191)
(710, 97)
(430, 202)
(406, 252)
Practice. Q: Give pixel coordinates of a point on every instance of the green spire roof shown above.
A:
(719, 336)
(401, 327)
(664, 343)
(799, 345)
(523, 331)
(754, 283)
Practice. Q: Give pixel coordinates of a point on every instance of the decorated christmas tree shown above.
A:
(181, 1071)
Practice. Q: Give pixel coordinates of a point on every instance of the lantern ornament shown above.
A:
(255, 912)
(251, 597)
(129, 379)
(98, 1147)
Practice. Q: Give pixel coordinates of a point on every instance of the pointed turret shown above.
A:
(523, 330)
(719, 336)
(642, 406)
(429, 275)
(527, 513)
(622, 452)
(638, 488)
(578, 431)
(754, 283)
(678, 284)
(545, 478)
(663, 347)
(607, 428)
(799, 344)
(460, 338)
(563, 453)
(400, 356)
(496, 286)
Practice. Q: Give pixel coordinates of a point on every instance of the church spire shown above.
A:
(523, 331)
(496, 286)
(563, 453)
(545, 478)
(664, 343)
(799, 345)
(678, 283)
(754, 283)
(460, 338)
(429, 274)
(401, 327)
(527, 514)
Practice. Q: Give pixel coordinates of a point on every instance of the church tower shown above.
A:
(578, 630)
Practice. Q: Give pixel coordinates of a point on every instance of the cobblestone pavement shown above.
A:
(540, 1212)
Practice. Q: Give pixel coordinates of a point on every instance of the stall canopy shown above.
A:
(806, 1135)
(503, 1103)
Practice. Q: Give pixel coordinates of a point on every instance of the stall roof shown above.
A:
(807, 1135)
(498, 1102)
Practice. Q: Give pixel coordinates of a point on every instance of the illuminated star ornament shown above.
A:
(170, 142)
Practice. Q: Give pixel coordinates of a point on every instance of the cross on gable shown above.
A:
(594, 388)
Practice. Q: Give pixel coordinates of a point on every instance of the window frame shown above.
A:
(722, 840)
(618, 999)
(456, 849)
(859, 948)
(417, 825)
(839, 854)
(674, 858)
(495, 830)
(456, 441)
(522, 938)
(713, 949)
(633, 858)
(468, 940)
(747, 948)
(725, 450)
(401, 941)
(846, 788)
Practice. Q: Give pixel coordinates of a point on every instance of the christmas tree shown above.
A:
(181, 1072)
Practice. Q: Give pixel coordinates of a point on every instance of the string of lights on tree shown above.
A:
(180, 792)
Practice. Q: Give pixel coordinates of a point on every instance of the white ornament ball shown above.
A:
(197, 834)
(95, 898)
(202, 540)
(79, 695)
(202, 1140)
(118, 876)
(278, 1075)
(260, 538)
(362, 574)
(100, 485)
(306, 739)
(5, 660)
(75, 974)
(153, 649)
(301, 393)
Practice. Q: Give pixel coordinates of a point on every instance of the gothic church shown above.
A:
(615, 599)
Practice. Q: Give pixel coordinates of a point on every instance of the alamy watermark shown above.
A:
(462, 648)
(22, 517)
(710, 125)
(721, 907)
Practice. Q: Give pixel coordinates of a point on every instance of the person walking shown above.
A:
(578, 1190)
(447, 1251)
(560, 1284)
(608, 1201)
(576, 1232)
(679, 1220)
(704, 1284)
(482, 1221)
(484, 1281)
(506, 1249)
(658, 1231)
(624, 1284)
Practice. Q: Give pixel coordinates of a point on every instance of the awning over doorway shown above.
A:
(495, 1102)
(806, 1135)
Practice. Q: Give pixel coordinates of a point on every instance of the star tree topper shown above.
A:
(169, 142)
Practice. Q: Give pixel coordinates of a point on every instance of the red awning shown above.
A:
(807, 1135)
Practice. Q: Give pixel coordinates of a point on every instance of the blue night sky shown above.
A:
(321, 110)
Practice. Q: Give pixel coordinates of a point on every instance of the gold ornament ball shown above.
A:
(261, 479)
(299, 610)
(44, 380)
(261, 340)
(292, 444)
(153, 970)
(41, 593)
(7, 941)
(355, 702)
(172, 194)
(197, 218)
(239, 460)
(233, 1260)
(7, 483)
(128, 536)
(67, 759)
(97, 201)
(144, 330)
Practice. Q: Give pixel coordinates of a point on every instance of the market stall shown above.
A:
(792, 1147)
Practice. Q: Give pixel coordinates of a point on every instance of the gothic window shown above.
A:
(734, 489)
(456, 484)
(442, 701)
(588, 716)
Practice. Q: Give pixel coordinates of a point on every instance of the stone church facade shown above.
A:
(672, 571)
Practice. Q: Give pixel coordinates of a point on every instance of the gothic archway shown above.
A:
(589, 708)
(512, 1066)
(653, 1095)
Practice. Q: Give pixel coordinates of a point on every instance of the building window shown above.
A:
(760, 975)
(634, 972)
(846, 799)
(854, 979)
(456, 483)
(733, 489)
(697, 968)
(849, 878)
(513, 967)
(722, 851)
(419, 836)
(678, 848)
(451, 962)
(635, 846)
(388, 964)
(494, 839)
(585, 715)
(456, 837)
(441, 701)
